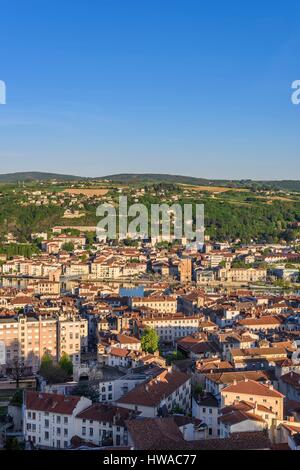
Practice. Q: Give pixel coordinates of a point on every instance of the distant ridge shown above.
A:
(150, 177)
(126, 178)
(291, 185)
(35, 176)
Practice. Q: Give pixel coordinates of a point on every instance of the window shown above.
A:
(84, 431)
(66, 420)
(46, 435)
(91, 432)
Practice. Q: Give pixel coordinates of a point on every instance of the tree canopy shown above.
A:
(149, 340)
(66, 364)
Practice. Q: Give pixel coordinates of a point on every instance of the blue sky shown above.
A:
(98, 87)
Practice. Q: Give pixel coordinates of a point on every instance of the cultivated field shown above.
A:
(86, 191)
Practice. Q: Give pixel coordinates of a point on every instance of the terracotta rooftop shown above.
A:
(230, 377)
(250, 387)
(125, 339)
(51, 402)
(238, 416)
(119, 352)
(151, 393)
(106, 413)
(155, 434)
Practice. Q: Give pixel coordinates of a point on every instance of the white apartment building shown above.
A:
(103, 425)
(170, 328)
(161, 304)
(49, 418)
(106, 270)
(128, 342)
(77, 269)
(168, 391)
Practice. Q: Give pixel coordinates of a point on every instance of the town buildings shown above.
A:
(223, 360)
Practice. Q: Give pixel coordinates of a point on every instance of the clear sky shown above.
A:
(201, 88)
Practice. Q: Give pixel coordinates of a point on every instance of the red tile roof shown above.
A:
(125, 339)
(106, 413)
(151, 393)
(238, 416)
(155, 434)
(119, 352)
(51, 402)
(250, 387)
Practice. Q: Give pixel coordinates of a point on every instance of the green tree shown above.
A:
(198, 389)
(46, 361)
(68, 246)
(66, 364)
(52, 373)
(150, 340)
(87, 390)
(175, 356)
(12, 443)
(177, 410)
(17, 398)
